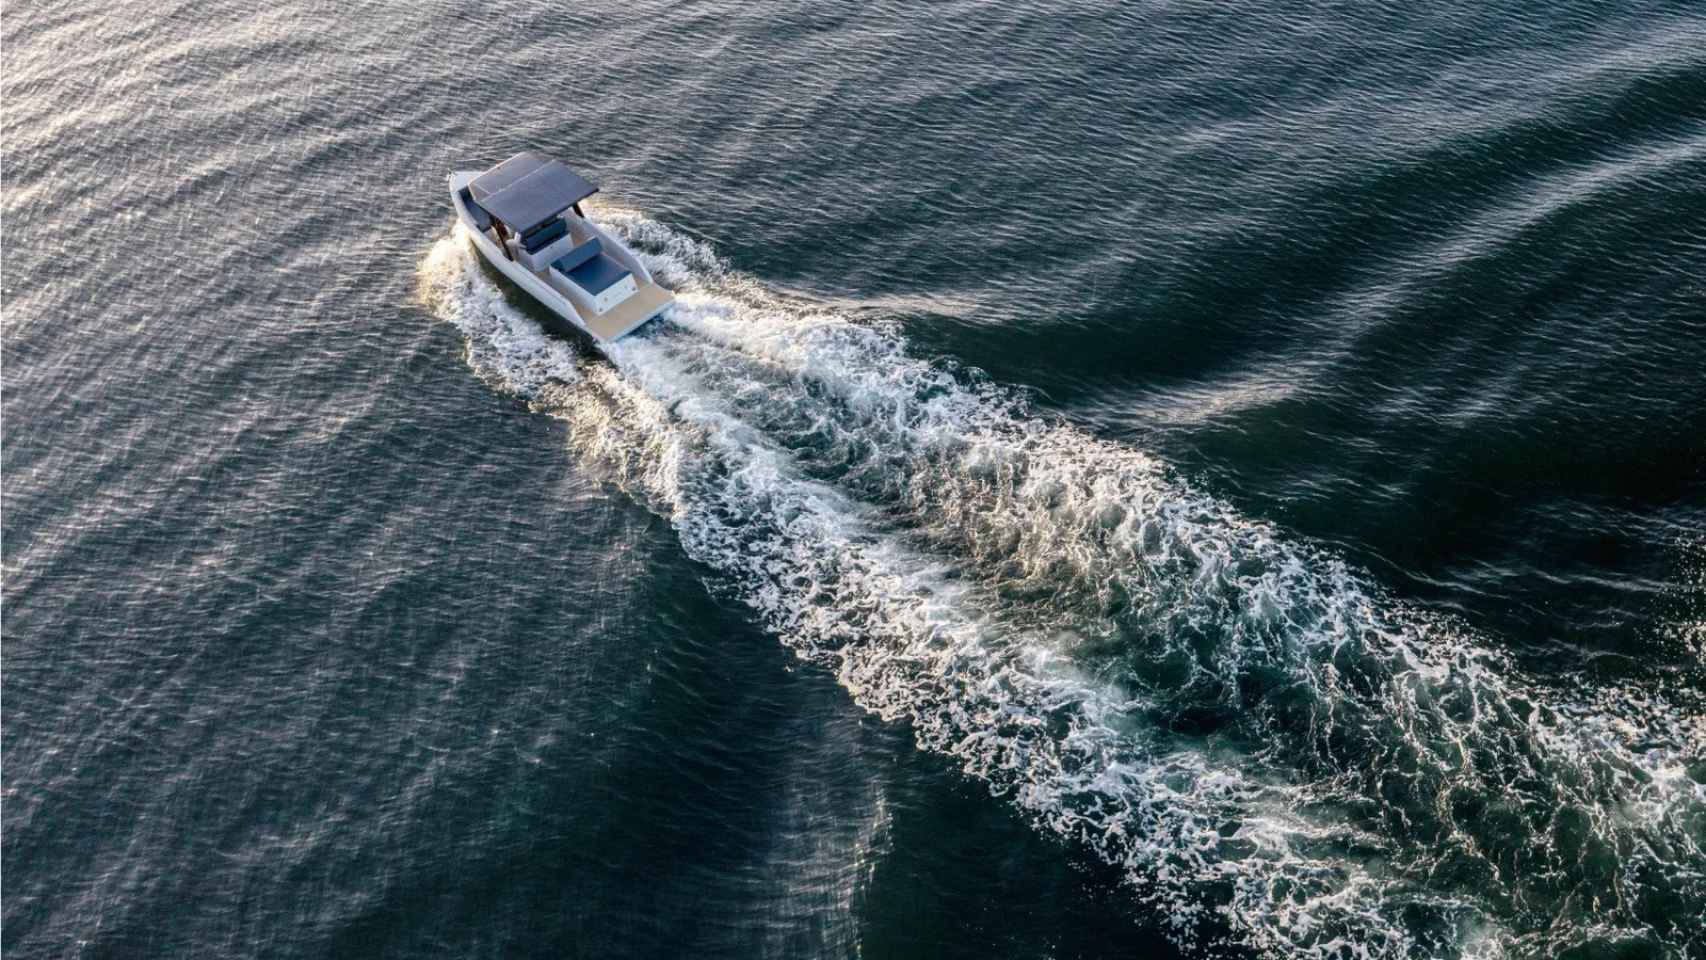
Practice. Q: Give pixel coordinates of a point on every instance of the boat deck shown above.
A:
(647, 300)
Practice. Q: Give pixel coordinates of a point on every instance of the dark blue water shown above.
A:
(1119, 480)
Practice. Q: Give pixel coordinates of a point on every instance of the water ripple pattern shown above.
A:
(1122, 479)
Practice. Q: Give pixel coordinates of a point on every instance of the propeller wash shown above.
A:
(1277, 755)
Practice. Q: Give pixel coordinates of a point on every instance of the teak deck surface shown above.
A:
(615, 321)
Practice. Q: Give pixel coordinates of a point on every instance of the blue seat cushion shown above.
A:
(598, 274)
(482, 219)
(578, 256)
(538, 239)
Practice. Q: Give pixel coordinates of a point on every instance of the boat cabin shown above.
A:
(529, 205)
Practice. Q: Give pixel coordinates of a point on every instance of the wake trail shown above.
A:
(1276, 755)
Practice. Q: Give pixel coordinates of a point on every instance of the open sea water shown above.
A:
(1120, 480)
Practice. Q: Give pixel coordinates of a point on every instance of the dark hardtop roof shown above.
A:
(528, 189)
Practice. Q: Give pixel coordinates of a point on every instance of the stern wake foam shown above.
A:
(1273, 752)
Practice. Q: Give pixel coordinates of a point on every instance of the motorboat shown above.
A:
(526, 219)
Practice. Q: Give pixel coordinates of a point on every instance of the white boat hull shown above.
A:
(604, 317)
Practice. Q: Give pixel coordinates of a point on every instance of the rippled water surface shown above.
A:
(1118, 480)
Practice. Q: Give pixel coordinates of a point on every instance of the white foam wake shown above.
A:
(1273, 752)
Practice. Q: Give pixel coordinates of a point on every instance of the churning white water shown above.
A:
(1274, 752)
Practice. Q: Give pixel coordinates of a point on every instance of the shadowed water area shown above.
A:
(1118, 480)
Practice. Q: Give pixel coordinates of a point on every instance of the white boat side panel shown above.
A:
(614, 294)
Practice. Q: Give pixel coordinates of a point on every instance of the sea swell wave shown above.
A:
(1277, 754)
